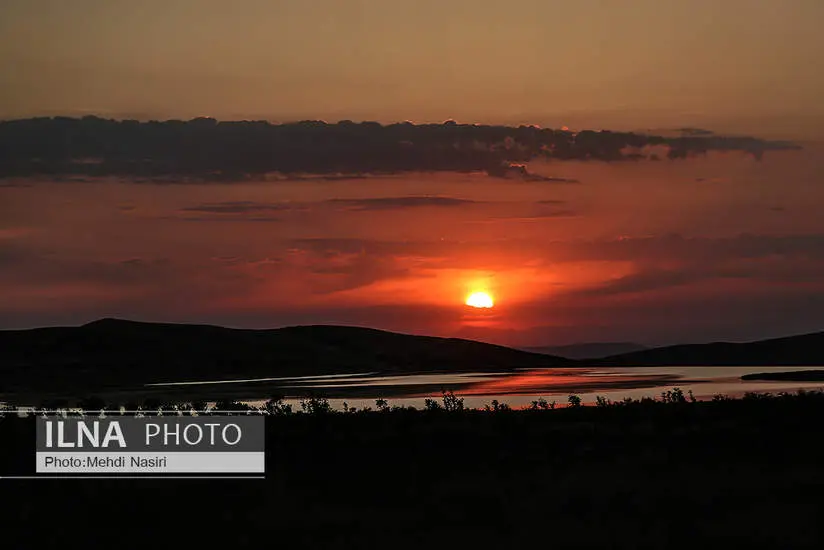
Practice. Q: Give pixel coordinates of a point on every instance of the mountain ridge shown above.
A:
(802, 350)
(587, 350)
(115, 352)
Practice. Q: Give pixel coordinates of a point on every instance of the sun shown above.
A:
(480, 299)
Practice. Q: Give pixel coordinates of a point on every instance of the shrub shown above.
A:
(276, 407)
(542, 405)
(431, 404)
(231, 405)
(675, 395)
(756, 396)
(316, 405)
(451, 402)
(497, 406)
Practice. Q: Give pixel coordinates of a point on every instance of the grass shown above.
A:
(634, 474)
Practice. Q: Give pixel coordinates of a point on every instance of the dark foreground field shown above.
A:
(742, 474)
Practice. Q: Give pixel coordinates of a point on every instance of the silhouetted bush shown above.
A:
(316, 405)
(497, 406)
(431, 405)
(673, 400)
(229, 406)
(615, 476)
(601, 401)
(675, 395)
(276, 407)
(541, 405)
(451, 402)
(757, 396)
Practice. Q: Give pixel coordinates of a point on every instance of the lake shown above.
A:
(517, 389)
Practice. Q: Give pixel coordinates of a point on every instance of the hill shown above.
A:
(794, 376)
(113, 353)
(802, 350)
(588, 350)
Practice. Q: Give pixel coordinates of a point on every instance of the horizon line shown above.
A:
(372, 328)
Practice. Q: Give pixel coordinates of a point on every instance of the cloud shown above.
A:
(13, 233)
(668, 248)
(133, 270)
(350, 271)
(235, 211)
(694, 131)
(654, 263)
(520, 172)
(392, 203)
(769, 261)
(236, 207)
(13, 251)
(11, 254)
(675, 247)
(14, 184)
(222, 219)
(332, 244)
(645, 281)
(204, 149)
(543, 215)
(317, 280)
(434, 249)
(536, 216)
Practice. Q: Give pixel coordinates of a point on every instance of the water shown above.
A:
(246, 380)
(520, 388)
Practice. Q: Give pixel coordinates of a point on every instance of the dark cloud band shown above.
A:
(205, 149)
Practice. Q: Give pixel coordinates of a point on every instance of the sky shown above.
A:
(721, 247)
(718, 247)
(736, 65)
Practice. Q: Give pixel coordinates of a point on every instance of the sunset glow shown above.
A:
(373, 174)
(505, 273)
(480, 300)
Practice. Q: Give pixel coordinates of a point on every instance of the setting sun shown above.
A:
(479, 299)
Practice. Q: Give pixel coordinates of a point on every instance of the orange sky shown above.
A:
(717, 247)
(743, 65)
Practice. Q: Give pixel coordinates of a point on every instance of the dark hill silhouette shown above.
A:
(803, 350)
(793, 376)
(588, 350)
(116, 353)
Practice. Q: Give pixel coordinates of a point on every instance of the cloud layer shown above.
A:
(205, 149)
